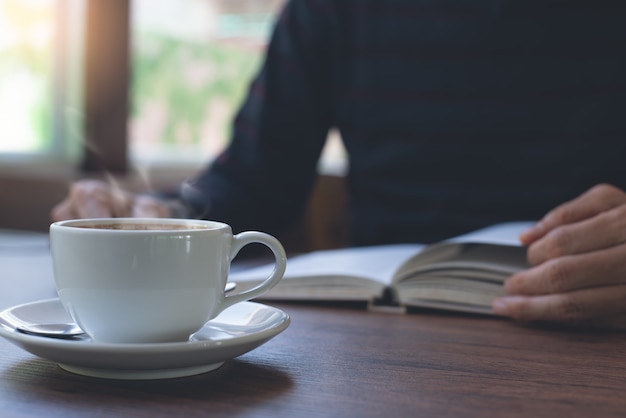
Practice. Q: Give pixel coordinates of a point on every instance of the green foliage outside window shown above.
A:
(185, 77)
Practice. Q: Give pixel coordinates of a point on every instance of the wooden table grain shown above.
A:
(343, 361)
(346, 362)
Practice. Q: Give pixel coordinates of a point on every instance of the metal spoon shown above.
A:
(69, 330)
(66, 330)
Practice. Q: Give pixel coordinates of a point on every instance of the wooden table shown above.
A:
(342, 361)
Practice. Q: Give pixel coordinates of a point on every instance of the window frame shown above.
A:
(107, 82)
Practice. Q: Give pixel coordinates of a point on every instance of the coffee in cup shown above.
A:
(148, 280)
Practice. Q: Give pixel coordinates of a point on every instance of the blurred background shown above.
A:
(141, 92)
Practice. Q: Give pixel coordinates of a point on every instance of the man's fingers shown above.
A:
(598, 199)
(63, 211)
(604, 230)
(97, 199)
(91, 199)
(593, 269)
(94, 199)
(579, 305)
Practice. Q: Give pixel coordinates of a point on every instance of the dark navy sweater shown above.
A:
(455, 113)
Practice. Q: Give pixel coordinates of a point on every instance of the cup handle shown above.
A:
(244, 238)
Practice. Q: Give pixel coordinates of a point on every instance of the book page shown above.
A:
(503, 234)
(374, 263)
(489, 248)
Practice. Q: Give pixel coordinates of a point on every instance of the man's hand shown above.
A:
(578, 257)
(97, 199)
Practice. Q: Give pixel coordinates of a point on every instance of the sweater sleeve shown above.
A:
(264, 177)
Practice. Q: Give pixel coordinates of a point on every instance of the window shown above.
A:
(108, 85)
(39, 82)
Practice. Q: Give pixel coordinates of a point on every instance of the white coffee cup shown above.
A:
(146, 280)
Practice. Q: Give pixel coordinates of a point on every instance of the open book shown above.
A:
(464, 273)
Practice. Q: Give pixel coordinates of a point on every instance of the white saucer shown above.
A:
(237, 330)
